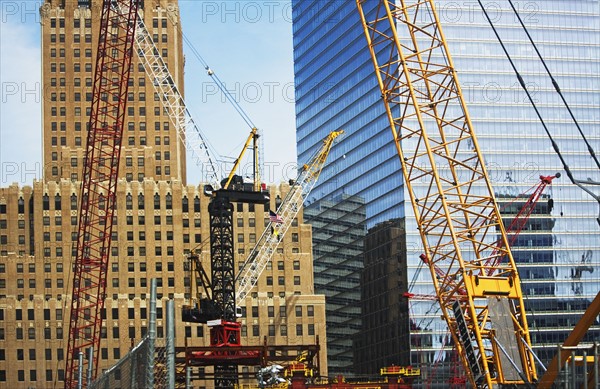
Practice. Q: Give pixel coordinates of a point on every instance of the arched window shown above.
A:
(196, 204)
(73, 202)
(185, 207)
(45, 202)
(169, 201)
(141, 201)
(57, 202)
(129, 201)
(156, 201)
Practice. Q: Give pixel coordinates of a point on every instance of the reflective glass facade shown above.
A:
(558, 254)
(335, 90)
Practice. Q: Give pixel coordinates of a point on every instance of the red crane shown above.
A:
(513, 230)
(98, 188)
(517, 224)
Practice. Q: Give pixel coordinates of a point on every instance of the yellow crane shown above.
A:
(452, 198)
(279, 223)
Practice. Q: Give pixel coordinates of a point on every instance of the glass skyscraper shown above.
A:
(558, 254)
(335, 90)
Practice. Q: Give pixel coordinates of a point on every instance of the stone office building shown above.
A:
(159, 218)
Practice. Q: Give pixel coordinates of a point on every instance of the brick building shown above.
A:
(159, 218)
(151, 147)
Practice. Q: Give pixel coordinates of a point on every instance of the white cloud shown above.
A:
(21, 99)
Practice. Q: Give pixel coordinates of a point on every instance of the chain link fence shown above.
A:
(161, 371)
(147, 365)
(131, 372)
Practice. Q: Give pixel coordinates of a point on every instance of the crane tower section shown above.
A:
(98, 188)
(450, 192)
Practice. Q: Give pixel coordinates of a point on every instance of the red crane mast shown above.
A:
(517, 224)
(98, 187)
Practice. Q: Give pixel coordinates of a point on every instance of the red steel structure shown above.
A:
(517, 224)
(98, 188)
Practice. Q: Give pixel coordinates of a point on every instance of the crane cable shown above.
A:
(238, 108)
(554, 144)
(556, 86)
(218, 81)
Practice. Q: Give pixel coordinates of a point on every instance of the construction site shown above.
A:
(408, 250)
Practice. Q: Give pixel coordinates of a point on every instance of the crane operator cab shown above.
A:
(237, 184)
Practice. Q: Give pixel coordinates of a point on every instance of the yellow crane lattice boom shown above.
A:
(450, 191)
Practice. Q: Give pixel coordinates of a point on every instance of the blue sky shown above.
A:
(247, 43)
